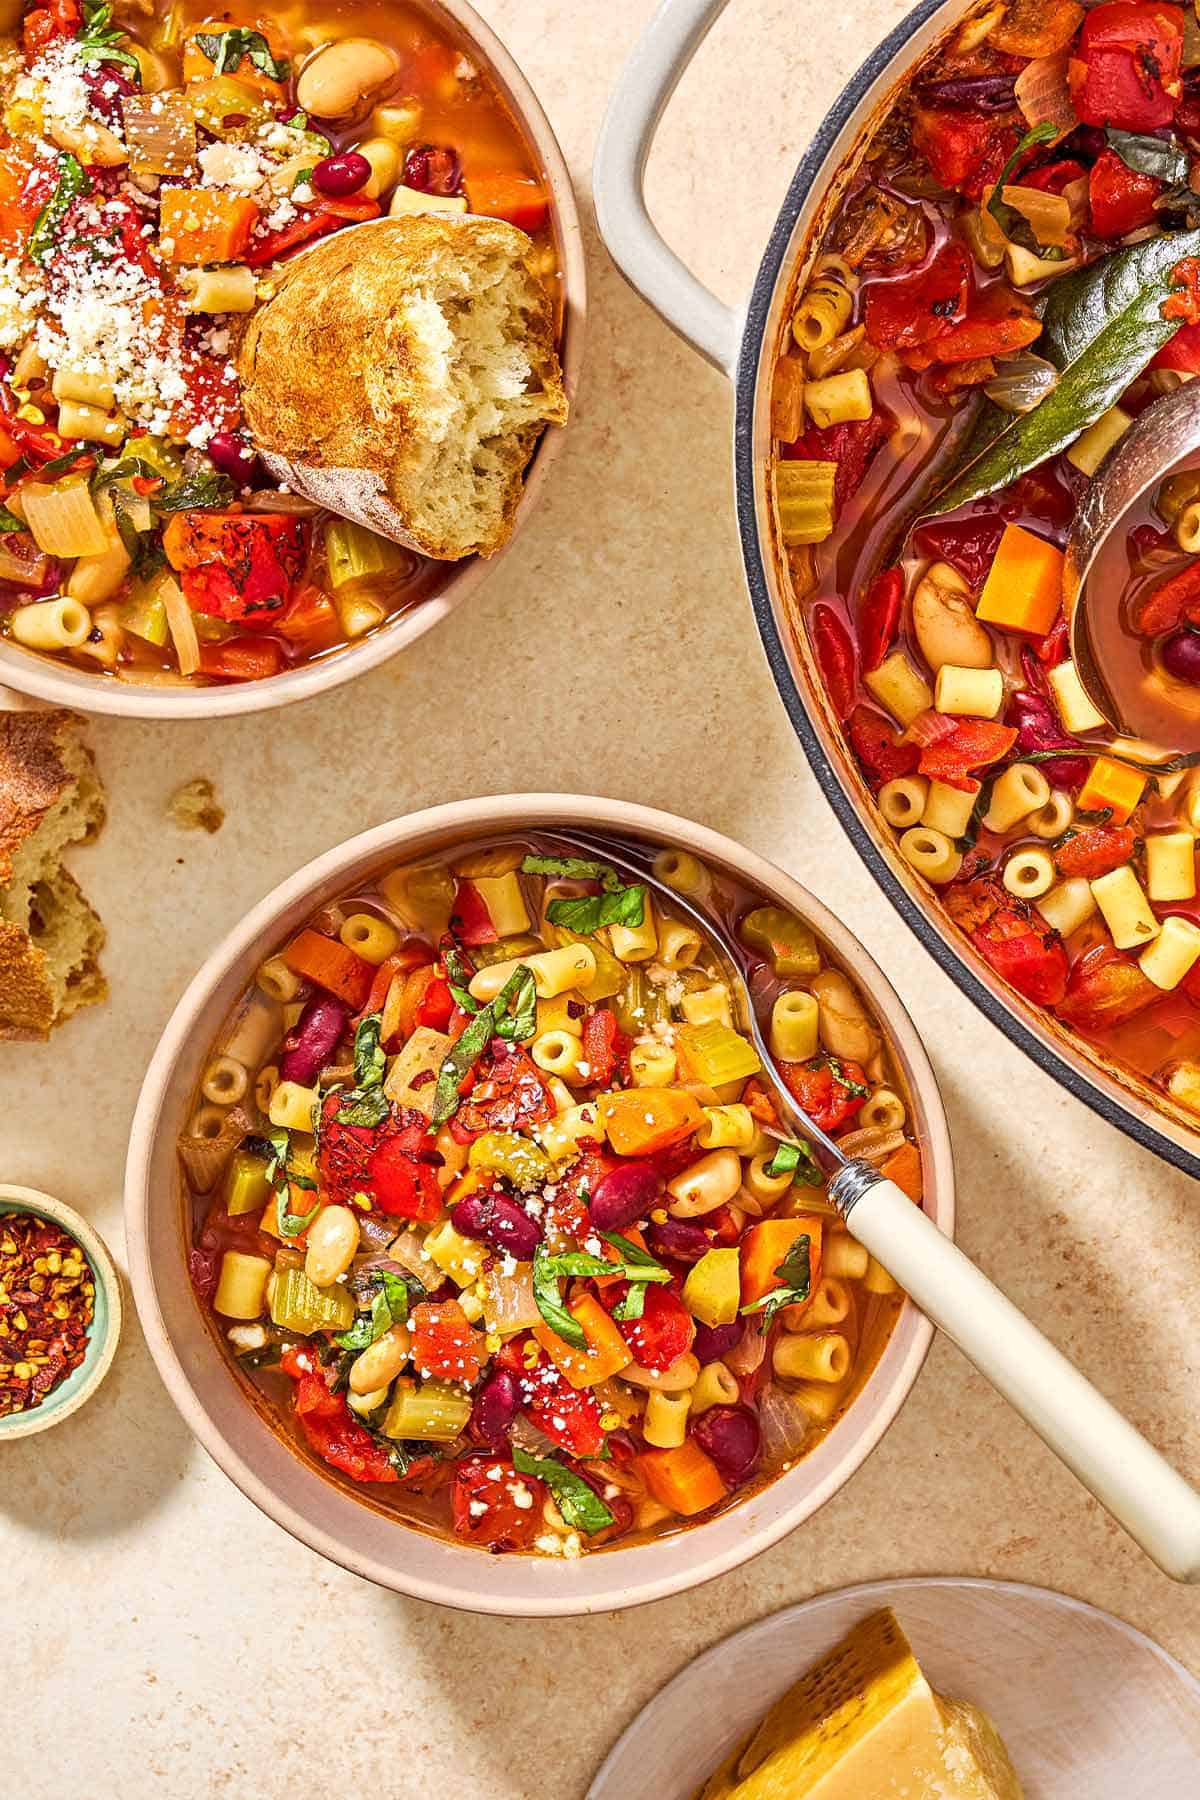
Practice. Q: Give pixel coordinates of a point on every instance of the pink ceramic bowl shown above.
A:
(59, 685)
(351, 1531)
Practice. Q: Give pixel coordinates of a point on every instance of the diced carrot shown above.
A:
(642, 1121)
(242, 659)
(300, 1200)
(198, 65)
(204, 225)
(611, 1254)
(503, 194)
(764, 1247)
(903, 1167)
(687, 1479)
(1111, 784)
(1023, 590)
(607, 1352)
(333, 967)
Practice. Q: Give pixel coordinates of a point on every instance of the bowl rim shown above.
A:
(613, 1578)
(30, 673)
(101, 1351)
(1020, 1023)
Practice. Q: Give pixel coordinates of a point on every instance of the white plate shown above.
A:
(1089, 1708)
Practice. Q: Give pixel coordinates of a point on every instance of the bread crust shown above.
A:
(33, 777)
(332, 386)
(27, 1008)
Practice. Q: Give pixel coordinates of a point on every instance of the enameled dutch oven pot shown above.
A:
(745, 345)
(238, 1433)
(45, 679)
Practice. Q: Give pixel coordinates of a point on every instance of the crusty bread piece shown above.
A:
(50, 939)
(402, 375)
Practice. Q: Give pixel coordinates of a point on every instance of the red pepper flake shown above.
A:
(47, 1303)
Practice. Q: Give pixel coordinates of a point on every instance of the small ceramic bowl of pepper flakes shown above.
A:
(60, 1311)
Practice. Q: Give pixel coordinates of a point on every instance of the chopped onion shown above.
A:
(748, 1353)
(1043, 94)
(63, 518)
(1022, 382)
(271, 500)
(180, 623)
(160, 131)
(1048, 215)
(785, 1424)
(23, 571)
(408, 1251)
(510, 1305)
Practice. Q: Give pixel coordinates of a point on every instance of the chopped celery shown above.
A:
(424, 896)
(145, 613)
(434, 1413)
(298, 1304)
(157, 453)
(247, 1187)
(716, 1053)
(790, 945)
(712, 1292)
(354, 554)
(640, 1004)
(504, 1153)
(509, 949)
(804, 500)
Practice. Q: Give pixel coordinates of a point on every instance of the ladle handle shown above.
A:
(1156, 1506)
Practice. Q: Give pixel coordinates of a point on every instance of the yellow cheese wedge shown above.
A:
(864, 1724)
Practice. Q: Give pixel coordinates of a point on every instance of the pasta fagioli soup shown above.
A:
(487, 1195)
(948, 384)
(160, 165)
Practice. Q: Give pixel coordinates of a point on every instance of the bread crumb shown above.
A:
(194, 806)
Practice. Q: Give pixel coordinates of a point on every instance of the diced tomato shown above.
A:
(851, 446)
(401, 1185)
(48, 25)
(237, 565)
(998, 324)
(484, 1504)
(310, 623)
(965, 150)
(907, 310)
(1119, 199)
(825, 1088)
(436, 1004)
(570, 1417)
(835, 655)
(509, 1093)
(471, 918)
(268, 246)
(1169, 603)
(384, 1162)
(1104, 988)
(242, 659)
(973, 744)
(879, 617)
(1039, 494)
(1055, 646)
(1095, 852)
(1125, 71)
(444, 1342)
(878, 746)
(1181, 352)
(1012, 938)
(1053, 177)
(327, 1424)
(968, 545)
(663, 1333)
(605, 1045)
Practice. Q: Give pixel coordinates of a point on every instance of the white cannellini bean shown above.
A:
(381, 1361)
(332, 1242)
(338, 81)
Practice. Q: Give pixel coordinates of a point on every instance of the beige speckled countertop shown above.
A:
(169, 1637)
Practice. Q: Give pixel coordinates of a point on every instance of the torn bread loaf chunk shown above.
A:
(50, 939)
(402, 374)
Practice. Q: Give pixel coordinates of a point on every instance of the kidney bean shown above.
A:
(1039, 730)
(495, 1407)
(510, 1228)
(308, 1048)
(233, 456)
(731, 1436)
(107, 87)
(712, 1342)
(341, 175)
(471, 1215)
(679, 1239)
(1181, 656)
(433, 169)
(623, 1195)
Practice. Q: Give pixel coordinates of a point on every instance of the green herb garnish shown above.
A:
(365, 1103)
(580, 1505)
(636, 1266)
(512, 1015)
(795, 1272)
(589, 913)
(225, 50)
(9, 521)
(1149, 155)
(73, 180)
(388, 1307)
(100, 38)
(194, 492)
(796, 1160)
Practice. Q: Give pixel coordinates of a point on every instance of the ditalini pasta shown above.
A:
(1036, 147)
(489, 1197)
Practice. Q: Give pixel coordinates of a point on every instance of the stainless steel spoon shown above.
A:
(1156, 1506)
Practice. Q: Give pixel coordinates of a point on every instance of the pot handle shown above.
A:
(647, 262)
(1139, 1487)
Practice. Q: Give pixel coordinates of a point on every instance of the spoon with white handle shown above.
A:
(1156, 1506)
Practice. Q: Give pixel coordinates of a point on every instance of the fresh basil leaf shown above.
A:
(997, 206)
(396, 1292)
(367, 1328)
(591, 912)
(462, 998)
(195, 492)
(303, 177)
(278, 1149)
(548, 1298)
(226, 49)
(572, 868)
(1149, 155)
(632, 1304)
(367, 1111)
(579, 1504)
(796, 1160)
(100, 38)
(838, 1070)
(292, 1224)
(9, 521)
(636, 1264)
(59, 465)
(516, 1007)
(795, 1272)
(460, 1059)
(370, 1063)
(1100, 328)
(73, 180)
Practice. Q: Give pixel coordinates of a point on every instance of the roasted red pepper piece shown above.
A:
(1055, 646)
(998, 324)
(436, 1004)
(1105, 987)
(605, 1045)
(1053, 177)
(1125, 70)
(444, 1342)
(878, 746)
(909, 310)
(508, 1095)
(570, 1417)
(472, 920)
(49, 25)
(1167, 605)
(1012, 938)
(1119, 199)
(384, 1162)
(825, 1088)
(835, 653)
(326, 1421)
(484, 1504)
(973, 744)
(879, 617)
(664, 1332)
(965, 150)
(237, 565)
(1095, 852)
(242, 659)
(968, 545)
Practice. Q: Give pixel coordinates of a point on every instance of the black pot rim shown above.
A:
(809, 173)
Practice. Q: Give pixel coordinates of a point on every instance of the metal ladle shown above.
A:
(1152, 447)
(1156, 1506)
